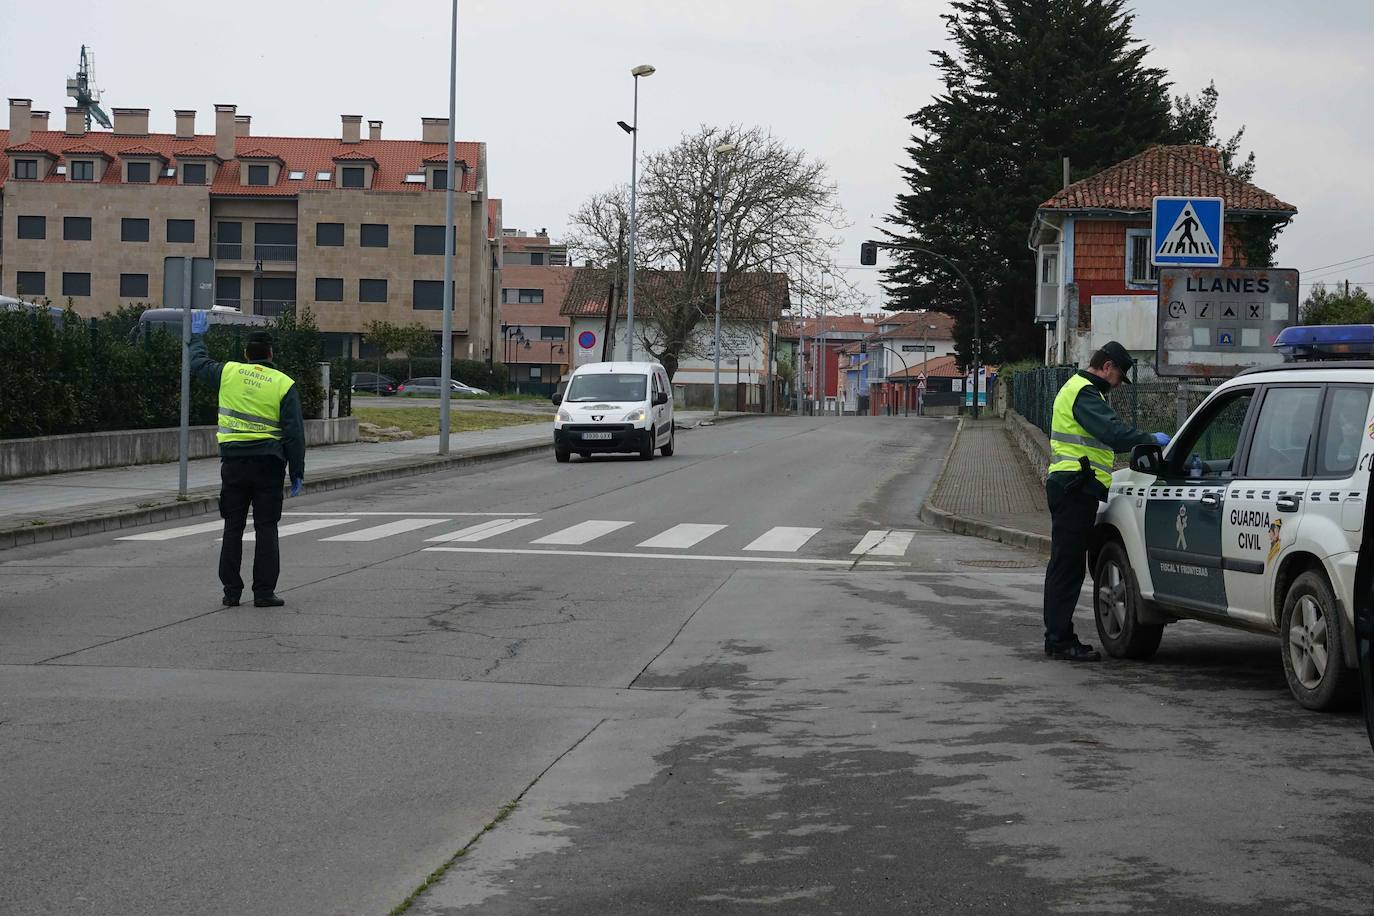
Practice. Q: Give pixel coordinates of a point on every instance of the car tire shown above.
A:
(1313, 644)
(584, 454)
(646, 451)
(561, 455)
(1116, 607)
(667, 450)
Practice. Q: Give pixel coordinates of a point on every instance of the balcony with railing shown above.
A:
(248, 254)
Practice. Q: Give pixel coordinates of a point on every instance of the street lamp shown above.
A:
(720, 150)
(633, 130)
(446, 347)
(925, 362)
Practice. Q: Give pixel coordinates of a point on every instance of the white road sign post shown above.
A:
(187, 283)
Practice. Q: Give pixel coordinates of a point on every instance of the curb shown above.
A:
(971, 527)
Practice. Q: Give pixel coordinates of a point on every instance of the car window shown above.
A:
(607, 387)
(1215, 437)
(1342, 431)
(1282, 433)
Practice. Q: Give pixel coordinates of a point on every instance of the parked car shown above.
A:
(429, 386)
(374, 382)
(614, 407)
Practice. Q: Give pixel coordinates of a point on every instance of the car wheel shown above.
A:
(646, 452)
(585, 454)
(561, 455)
(1313, 656)
(1116, 607)
(667, 450)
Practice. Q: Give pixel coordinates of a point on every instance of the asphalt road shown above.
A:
(698, 696)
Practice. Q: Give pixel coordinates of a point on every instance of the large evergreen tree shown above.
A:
(1026, 83)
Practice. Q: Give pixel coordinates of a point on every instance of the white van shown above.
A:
(614, 407)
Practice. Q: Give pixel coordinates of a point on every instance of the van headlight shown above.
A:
(635, 416)
(564, 416)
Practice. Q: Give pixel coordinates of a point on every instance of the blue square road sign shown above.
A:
(1187, 231)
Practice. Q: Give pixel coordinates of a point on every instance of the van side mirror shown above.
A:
(660, 398)
(556, 397)
(1148, 459)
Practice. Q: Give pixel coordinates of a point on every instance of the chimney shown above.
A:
(374, 130)
(186, 123)
(21, 121)
(224, 131)
(40, 120)
(131, 122)
(434, 130)
(243, 125)
(352, 128)
(76, 121)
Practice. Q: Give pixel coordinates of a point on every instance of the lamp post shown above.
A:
(925, 363)
(633, 130)
(446, 347)
(973, 304)
(720, 150)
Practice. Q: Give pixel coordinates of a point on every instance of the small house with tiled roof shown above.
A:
(1094, 281)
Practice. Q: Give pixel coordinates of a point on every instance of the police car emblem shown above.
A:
(1181, 525)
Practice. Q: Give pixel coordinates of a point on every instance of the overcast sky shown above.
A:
(544, 81)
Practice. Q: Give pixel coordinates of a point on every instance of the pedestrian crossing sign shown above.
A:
(1187, 231)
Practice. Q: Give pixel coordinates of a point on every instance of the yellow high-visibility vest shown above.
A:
(1069, 441)
(250, 402)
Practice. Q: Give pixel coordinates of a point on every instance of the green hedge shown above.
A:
(94, 375)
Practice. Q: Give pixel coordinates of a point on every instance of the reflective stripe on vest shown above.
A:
(1070, 442)
(250, 402)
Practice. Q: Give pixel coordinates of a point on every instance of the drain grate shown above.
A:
(997, 564)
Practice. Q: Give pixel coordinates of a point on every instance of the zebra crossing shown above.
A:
(532, 534)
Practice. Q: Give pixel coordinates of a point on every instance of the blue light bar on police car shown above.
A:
(1329, 341)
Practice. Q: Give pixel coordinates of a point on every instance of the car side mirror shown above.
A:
(556, 397)
(660, 398)
(1148, 459)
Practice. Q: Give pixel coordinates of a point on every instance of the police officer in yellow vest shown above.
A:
(1086, 433)
(261, 434)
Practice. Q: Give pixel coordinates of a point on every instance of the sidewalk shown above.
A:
(54, 506)
(987, 489)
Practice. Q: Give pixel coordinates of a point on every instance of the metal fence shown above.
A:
(1157, 404)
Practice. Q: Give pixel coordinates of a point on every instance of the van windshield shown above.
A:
(607, 387)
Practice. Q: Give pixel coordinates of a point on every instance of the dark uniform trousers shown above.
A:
(1073, 512)
(251, 481)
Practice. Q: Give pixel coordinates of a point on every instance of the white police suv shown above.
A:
(1253, 516)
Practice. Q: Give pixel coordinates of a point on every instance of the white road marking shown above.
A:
(408, 514)
(582, 532)
(682, 536)
(881, 543)
(377, 532)
(485, 530)
(784, 540)
(285, 531)
(670, 556)
(167, 534)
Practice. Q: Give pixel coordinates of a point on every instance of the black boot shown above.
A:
(229, 600)
(1073, 651)
(268, 600)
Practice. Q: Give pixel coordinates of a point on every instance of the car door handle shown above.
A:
(1287, 503)
(1211, 500)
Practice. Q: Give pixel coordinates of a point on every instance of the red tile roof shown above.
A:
(441, 157)
(354, 156)
(142, 151)
(1164, 171)
(936, 367)
(85, 149)
(195, 152)
(30, 147)
(395, 158)
(749, 297)
(832, 324)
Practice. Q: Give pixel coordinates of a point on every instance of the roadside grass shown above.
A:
(424, 421)
(495, 396)
(439, 872)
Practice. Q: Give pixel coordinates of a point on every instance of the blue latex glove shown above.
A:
(200, 321)
(1161, 439)
(296, 485)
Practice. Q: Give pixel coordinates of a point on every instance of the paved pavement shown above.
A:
(742, 679)
(989, 479)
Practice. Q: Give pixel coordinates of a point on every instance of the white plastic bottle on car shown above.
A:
(1195, 466)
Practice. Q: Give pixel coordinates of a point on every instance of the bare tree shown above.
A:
(779, 215)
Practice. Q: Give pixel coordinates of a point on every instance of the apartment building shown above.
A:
(352, 226)
(533, 338)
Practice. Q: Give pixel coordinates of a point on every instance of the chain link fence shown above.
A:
(1155, 405)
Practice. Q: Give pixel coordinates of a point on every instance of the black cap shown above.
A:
(1119, 357)
(265, 337)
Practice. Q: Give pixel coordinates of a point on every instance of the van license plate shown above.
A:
(596, 435)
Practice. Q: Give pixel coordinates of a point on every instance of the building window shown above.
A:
(329, 235)
(133, 230)
(76, 228)
(429, 295)
(274, 241)
(76, 284)
(181, 230)
(371, 290)
(31, 283)
(193, 173)
(523, 296)
(139, 172)
(353, 176)
(1139, 270)
(33, 227)
(228, 290)
(258, 175)
(26, 169)
(548, 332)
(537, 258)
(229, 241)
(83, 170)
(430, 240)
(329, 289)
(441, 179)
(375, 235)
(133, 285)
(536, 371)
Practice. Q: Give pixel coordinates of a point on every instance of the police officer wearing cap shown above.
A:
(1085, 435)
(261, 434)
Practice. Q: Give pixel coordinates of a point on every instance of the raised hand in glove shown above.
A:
(1161, 439)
